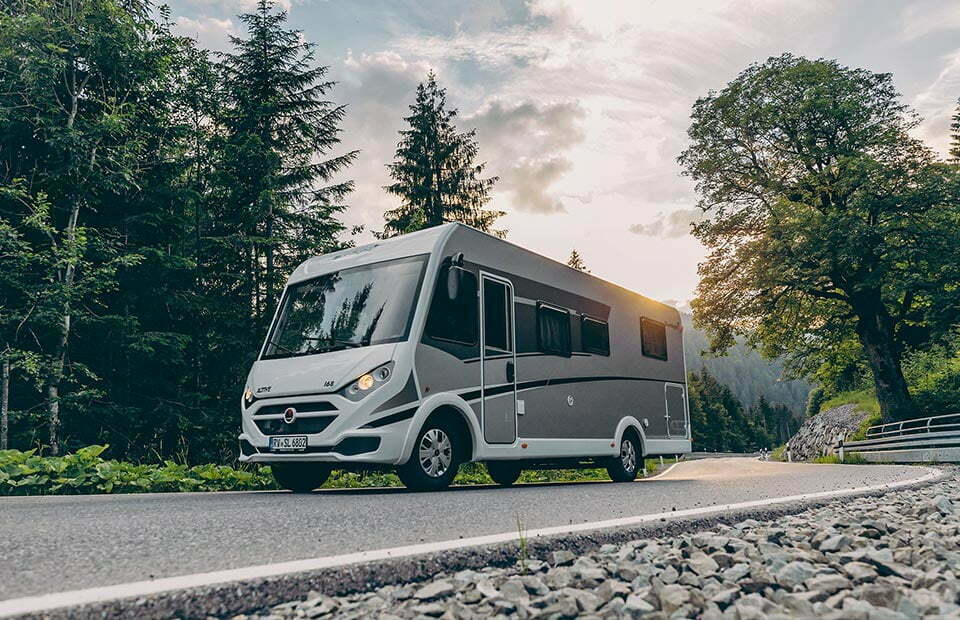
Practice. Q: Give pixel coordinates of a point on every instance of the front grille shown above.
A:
(300, 426)
(316, 407)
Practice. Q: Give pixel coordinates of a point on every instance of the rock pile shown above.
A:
(895, 556)
(817, 436)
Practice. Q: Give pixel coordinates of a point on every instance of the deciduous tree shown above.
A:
(825, 218)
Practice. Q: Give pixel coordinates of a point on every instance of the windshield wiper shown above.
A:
(338, 343)
(280, 346)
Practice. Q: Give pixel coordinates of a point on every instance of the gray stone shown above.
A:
(943, 505)
(562, 557)
(827, 583)
(859, 572)
(672, 597)
(794, 574)
(435, 590)
(636, 605)
(514, 590)
(702, 564)
(835, 543)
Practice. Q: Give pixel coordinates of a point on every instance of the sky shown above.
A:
(581, 107)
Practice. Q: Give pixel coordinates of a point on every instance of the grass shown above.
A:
(86, 471)
(865, 400)
(779, 453)
(834, 459)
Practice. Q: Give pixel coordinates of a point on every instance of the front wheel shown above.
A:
(435, 459)
(300, 477)
(623, 468)
(503, 473)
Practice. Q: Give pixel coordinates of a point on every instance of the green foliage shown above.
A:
(434, 173)
(848, 459)
(721, 424)
(779, 454)
(576, 261)
(826, 221)
(955, 136)
(865, 400)
(934, 376)
(815, 401)
(748, 374)
(85, 471)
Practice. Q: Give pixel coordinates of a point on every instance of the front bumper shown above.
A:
(340, 441)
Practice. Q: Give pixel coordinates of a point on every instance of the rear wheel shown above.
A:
(435, 459)
(503, 473)
(623, 468)
(300, 477)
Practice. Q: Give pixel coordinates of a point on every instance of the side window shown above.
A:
(653, 338)
(454, 319)
(553, 330)
(595, 336)
(496, 316)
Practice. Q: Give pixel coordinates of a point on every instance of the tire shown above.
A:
(504, 473)
(623, 468)
(435, 459)
(300, 477)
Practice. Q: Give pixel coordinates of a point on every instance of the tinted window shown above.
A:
(653, 337)
(454, 319)
(595, 336)
(553, 330)
(496, 316)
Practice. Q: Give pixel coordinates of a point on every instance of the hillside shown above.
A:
(748, 375)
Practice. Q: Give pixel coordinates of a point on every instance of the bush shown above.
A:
(934, 377)
(84, 471)
(815, 400)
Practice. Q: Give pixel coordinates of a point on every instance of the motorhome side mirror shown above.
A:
(454, 278)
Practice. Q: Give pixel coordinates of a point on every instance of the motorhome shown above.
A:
(449, 345)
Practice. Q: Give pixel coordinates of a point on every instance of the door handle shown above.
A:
(511, 372)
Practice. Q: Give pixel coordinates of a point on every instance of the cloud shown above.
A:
(525, 144)
(670, 226)
(937, 102)
(925, 17)
(209, 32)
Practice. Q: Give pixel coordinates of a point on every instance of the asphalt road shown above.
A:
(56, 544)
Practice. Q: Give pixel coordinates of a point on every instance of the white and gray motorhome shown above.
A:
(449, 345)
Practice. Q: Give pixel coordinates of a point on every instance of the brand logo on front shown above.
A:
(289, 415)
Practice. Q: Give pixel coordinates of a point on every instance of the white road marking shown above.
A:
(136, 589)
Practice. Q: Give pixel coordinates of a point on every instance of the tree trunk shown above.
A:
(5, 405)
(60, 353)
(875, 331)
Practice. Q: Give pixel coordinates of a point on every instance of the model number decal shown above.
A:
(264, 389)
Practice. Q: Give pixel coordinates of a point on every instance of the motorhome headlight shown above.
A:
(366, 382)
(247, 397)
(369, 382)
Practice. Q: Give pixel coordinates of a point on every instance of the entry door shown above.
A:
(499, 360)
(676, 411)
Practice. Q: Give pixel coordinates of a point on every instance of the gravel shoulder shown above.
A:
(890, 556)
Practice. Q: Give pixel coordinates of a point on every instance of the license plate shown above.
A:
(288, 443)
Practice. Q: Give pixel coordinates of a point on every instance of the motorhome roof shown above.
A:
(419, 242)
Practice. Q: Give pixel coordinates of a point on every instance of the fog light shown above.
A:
(383, 374)
(365, 382)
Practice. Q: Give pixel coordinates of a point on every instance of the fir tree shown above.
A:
(955, 136)
(434, 172)
(576, 261)
(277, 175)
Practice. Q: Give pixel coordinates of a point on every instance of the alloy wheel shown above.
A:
(436, 453)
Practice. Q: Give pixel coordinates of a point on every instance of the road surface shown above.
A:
(57, 544)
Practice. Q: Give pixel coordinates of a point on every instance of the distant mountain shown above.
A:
(748, 375)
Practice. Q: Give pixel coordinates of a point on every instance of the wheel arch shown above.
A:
(630, 423)
(443, 405)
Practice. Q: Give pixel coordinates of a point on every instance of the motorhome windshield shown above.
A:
(361, 306)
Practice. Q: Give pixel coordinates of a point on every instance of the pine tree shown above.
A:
(434, 172)
(576, 261)
(955, 136)
(277, 176)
